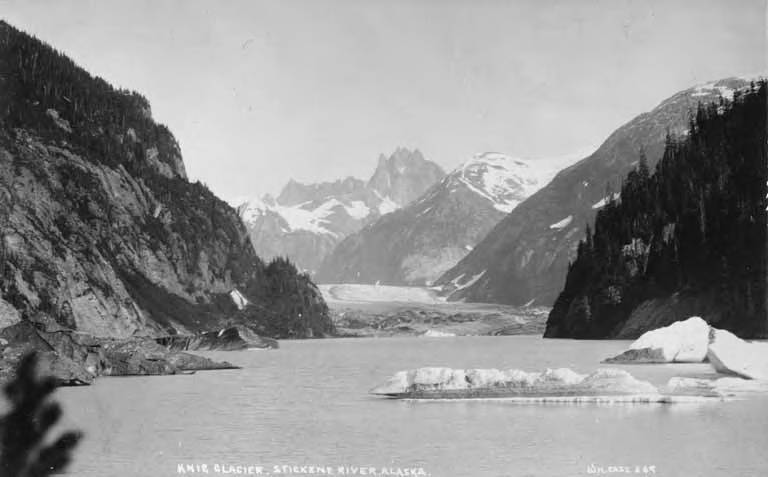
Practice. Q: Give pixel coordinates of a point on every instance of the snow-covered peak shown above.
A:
(251, 208)
(315, 217)
(504, 180)
(709, 91)
(713, 88)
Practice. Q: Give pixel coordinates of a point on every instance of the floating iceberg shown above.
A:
(681, 342)
(552, 385)
(721, 387)
(729, 354)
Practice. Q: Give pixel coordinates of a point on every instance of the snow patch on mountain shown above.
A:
(709, 88)
(471, 281)
(503, 180)
(357, 209)
(604, 201)
(303, 219)
(562, 224)
(305, 216)
(386, 205)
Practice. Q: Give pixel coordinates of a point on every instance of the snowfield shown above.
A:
(503, 180)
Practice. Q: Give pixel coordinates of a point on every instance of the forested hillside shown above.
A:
(687, 239)
(524, 259)
(100, 227)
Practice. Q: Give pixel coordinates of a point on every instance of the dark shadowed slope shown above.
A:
(689, 239)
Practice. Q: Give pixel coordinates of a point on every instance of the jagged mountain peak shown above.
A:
(294, 192)
(413, 246)
(306, 221)
(402, 177)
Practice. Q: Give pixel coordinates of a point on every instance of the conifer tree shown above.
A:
(23, 431)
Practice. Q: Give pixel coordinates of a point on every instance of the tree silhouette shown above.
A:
(23, 452)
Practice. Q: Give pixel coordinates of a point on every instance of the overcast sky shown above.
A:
(260, 91)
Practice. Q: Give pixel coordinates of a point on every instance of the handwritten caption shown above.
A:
(621, 469)
(253, 469)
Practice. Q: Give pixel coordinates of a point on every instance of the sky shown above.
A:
(260, 91)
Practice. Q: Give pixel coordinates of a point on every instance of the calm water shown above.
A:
(306, 404)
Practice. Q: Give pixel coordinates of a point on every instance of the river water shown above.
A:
(306, 404)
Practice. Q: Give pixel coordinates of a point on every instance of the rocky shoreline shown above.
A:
(434, 321)
(74, 358)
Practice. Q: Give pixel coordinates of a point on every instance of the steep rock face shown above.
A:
(74, 358)
(99, 226)
(688, 238)
(416, 244)
(402, 177)
(306, 221)
(525, 257)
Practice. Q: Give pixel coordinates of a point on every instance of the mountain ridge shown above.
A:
(523, 259)
(687, 239)
(414, 245)
(306, 221)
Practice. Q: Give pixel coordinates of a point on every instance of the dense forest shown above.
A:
(291, 308)
(38, 82)
(53, 116)
(687, 239)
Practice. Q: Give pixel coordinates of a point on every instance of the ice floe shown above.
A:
(729, 354)
(681, 342)
(555, 384)
(721, 387)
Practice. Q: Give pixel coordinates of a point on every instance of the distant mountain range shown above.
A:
(306, 221)
(524, 259)
(415, 245)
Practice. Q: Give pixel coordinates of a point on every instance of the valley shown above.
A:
(383, 238)
(389, 311)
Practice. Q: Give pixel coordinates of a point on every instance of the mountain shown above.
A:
(306, 221)
(100, 228)
(689, 239)
(524, 259)
(416, 244)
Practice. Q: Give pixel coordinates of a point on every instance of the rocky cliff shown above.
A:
(100, 227)
(524, 259)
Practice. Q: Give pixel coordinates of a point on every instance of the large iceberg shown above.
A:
(729, 354)
(681, 342)
(561, 384)
(694, 341)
